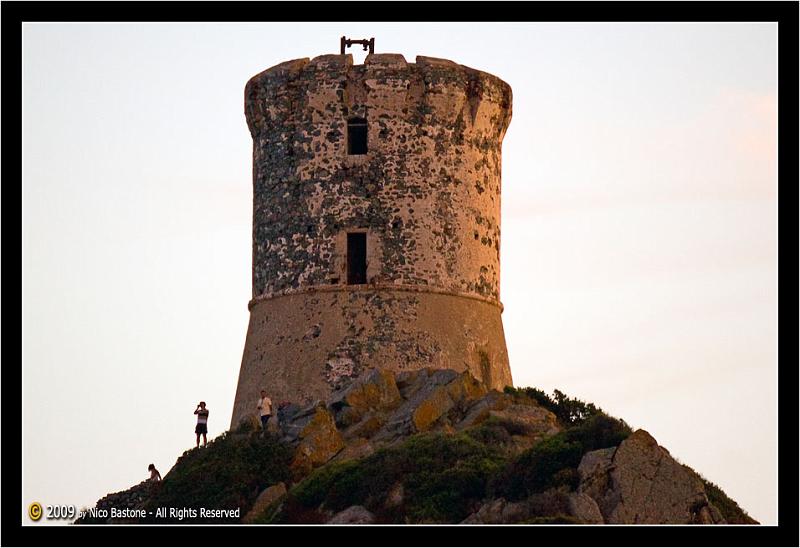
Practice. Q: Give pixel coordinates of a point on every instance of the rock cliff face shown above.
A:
(639, 482)
(437, 446)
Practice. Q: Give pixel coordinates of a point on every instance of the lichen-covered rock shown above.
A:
(531, 420)
(593, 471)
(354, 515)
(479, 410)
(709, 515)
(293, 419)
(465, 387)
(428, 397)
(640, 482)
(584, 508)
(500, 511)
(375, 390)
(437, 403)
(366, 427)
(265, 498)
(319, 441)
(355, 449)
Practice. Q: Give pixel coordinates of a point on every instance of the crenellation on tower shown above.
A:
(376, 218)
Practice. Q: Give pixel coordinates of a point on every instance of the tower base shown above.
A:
(345, 330)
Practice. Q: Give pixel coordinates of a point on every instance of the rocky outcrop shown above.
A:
(500, 511)
(354, 515)
(318, 442)
(485, 458)
(639, 482)
(264, 500)
(584, 508)
(376, 391)
(380, 408)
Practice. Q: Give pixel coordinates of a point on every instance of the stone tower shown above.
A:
(376, 223)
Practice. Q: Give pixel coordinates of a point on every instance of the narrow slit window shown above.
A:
(356, 258)
(357, 136)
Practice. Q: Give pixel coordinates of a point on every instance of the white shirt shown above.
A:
(265, 406)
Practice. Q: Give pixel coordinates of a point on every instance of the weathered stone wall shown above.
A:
(427, 195)
(301, 347)
(427, 192)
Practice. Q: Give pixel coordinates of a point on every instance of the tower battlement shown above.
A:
(436, 88)
(376, 222)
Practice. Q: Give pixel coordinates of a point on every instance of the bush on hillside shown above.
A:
(731, 511)
(570, 411)
(227, 474)
(554, 461)
(443, 477)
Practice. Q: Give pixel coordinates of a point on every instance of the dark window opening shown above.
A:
(357, 258)
(356, 136)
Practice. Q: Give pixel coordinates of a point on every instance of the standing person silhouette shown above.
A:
(264, 409)
(202, 422)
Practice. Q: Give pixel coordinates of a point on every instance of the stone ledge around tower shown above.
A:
(373, 287)
(302, 347)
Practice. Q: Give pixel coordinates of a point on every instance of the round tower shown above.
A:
(376, 223)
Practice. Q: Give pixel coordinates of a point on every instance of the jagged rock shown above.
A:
(407, 381)
(551, 503)
(530, 422)
(479, 410)
(355, 449)
(643, 484)
(584, 508)
(346, 416)
(319, 441)
(465, 387)
(637, 482)
(354, 515)
(361, 407)
(427, 411)
(500, 511)
(593, 471)
(376, 389)
(366, 427)
(429, 395)
(709, 515)
(267, 497)
(293, 419)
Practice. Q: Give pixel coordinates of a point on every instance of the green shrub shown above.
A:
(731, 511)
(554, 461)
(598, 432)
(538, 468)
(570, 411)
(229, 473)
(490, 432)
(337, 484)
(443, 477)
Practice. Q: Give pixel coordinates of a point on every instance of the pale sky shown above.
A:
(638, 250)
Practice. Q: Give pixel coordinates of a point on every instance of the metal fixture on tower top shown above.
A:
(368, 44)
